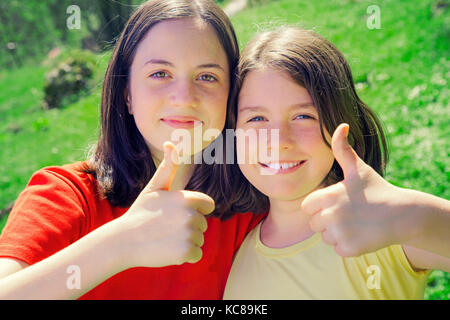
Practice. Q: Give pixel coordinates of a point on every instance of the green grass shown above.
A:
(402, 71)
(32, 138)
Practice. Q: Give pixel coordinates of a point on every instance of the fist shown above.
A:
(353, 215)
(164, 227)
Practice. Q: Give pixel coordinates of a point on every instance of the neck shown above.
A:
(286, 224)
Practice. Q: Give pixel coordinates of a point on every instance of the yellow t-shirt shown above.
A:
(313, 270)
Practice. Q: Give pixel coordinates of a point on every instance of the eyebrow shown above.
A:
(170, 64)
(306, 105)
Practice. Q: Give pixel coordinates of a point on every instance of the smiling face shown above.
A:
(179, 77)
(270, 99)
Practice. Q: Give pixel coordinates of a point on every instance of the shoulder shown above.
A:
(74, 173)
(57, 194)
(54, 210)
(71, 178)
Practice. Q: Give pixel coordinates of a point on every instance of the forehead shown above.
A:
(183, 40)
(271, 88)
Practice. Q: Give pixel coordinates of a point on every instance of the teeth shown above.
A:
(283, 166)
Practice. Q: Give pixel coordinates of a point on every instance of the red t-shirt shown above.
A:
(61, 204)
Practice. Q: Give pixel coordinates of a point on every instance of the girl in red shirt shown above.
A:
(131, 222)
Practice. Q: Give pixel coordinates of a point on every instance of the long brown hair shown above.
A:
(120, 160)
(316, 64)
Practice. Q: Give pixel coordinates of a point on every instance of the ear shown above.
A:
(126, 96)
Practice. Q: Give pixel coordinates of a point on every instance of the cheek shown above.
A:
(322, 154)
(311, 138)
(246, 146)
(247, 154)
(143, 99)
(215, 104)
(145, 117)
(326, 160)
(145, 106)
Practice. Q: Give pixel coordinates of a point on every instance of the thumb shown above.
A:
(343, 151)
(164, 174)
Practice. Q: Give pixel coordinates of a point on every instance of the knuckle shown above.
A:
(185, 253)
(198, 254)
(347, 250)
(197, 238)
(201, 223)
(181, 257)
(348, 243)
(336, 231)
(195, 254)
(202, 240)
(179, 261)
(327, 238)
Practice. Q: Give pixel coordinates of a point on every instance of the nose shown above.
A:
(183, 93)
(281, 137)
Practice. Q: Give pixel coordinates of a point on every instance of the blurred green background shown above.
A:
(401, 70)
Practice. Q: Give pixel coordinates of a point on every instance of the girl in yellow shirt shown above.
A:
(329, 233)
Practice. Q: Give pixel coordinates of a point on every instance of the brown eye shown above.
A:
(159, 74)
(208, 78)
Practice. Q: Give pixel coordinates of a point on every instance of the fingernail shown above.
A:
(166, 151)
(346, 131)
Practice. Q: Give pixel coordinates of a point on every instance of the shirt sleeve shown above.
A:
(405, 264)
(47, 216)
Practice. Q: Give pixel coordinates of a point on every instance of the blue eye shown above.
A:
(257, 117)
(159, 75)
(303, 117)
(208, 78)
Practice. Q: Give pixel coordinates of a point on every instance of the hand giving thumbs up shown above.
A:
(353, 214)
(164, 227)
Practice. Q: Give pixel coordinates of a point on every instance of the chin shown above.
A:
(284, 193)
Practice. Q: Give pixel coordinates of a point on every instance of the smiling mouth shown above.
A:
(181, 122)
(283, 167)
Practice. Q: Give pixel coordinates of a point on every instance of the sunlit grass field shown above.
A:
(401, 71)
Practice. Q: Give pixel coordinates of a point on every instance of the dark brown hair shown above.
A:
(120, 160)
(317, 65)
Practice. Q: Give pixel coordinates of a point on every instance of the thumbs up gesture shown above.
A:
(354, 215)
(164, 227)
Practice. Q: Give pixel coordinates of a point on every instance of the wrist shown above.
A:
(113, 251)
